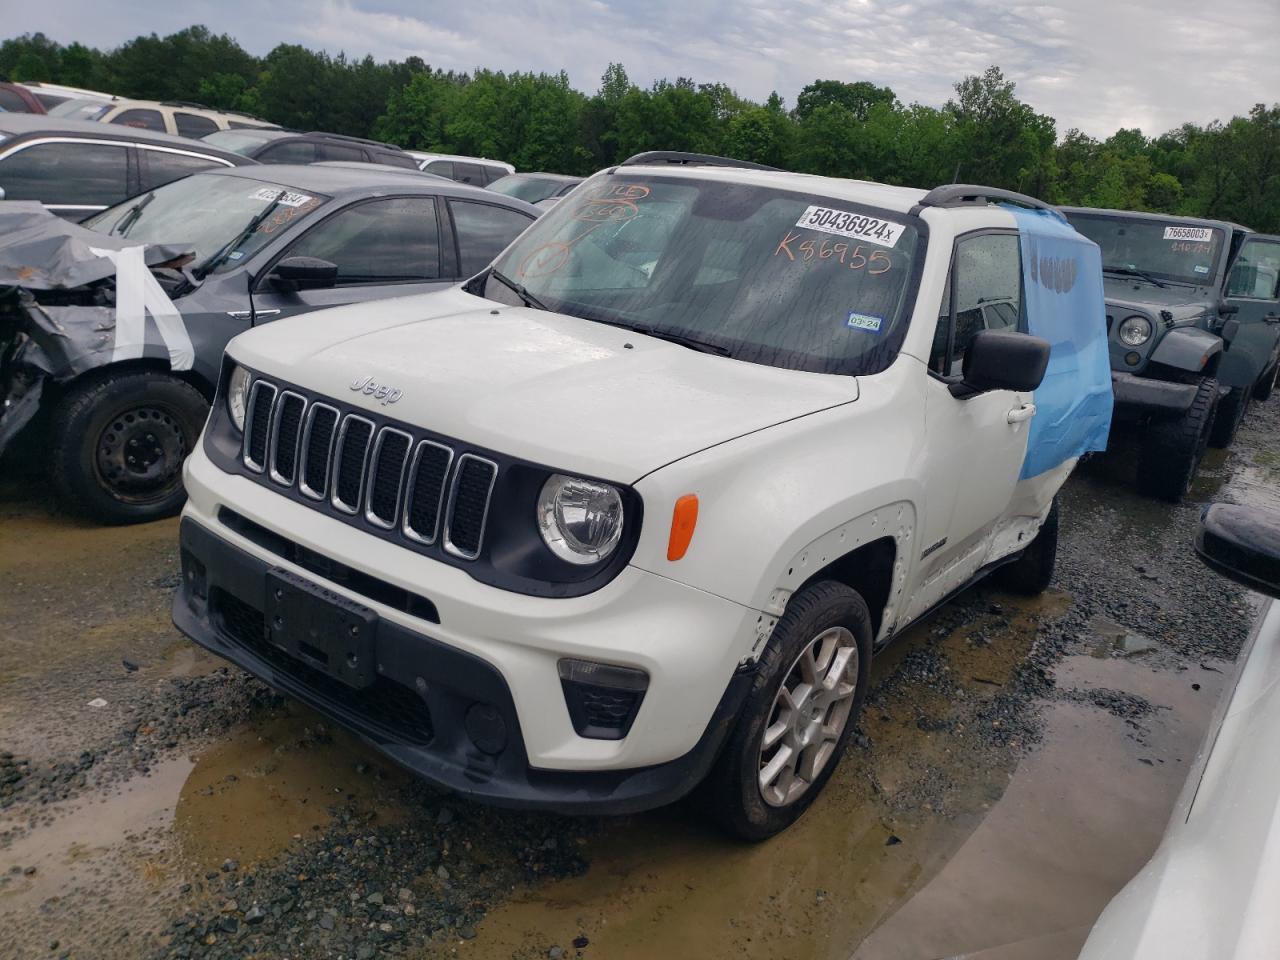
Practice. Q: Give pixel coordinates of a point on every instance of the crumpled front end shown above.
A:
(72, 300)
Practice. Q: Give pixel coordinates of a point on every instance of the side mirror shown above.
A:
(1, 193)
(1242, 544)
(1227, 309)
(303, 273)
(1002, 360)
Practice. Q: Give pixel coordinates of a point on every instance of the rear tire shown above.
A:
(119, 443)
(1172, 449)
(1230, 414)
(806, 739)
(1262, 389)
(1032, 572)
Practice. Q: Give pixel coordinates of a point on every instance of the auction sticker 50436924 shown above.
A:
(856, 226)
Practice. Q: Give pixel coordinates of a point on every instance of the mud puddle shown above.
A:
(930, 825)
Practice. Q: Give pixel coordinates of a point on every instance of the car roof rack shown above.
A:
(185, 103)
(969, 195)
(692, 160)
(342, 136)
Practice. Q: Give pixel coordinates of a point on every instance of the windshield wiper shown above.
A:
(214, 262)
(131, 217)
(519, 290)
(684, 340)
(1131, 272)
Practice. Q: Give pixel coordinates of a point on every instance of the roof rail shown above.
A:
(969, 195)
(185, 103)
(343, 136)
(692, 160)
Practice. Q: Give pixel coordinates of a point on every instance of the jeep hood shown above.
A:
(558, 390)
(1183, 303)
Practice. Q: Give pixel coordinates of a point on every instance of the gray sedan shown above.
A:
(114, 330)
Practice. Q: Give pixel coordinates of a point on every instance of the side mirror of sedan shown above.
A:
(1002, 360)
(303, 273)
(1242, 544)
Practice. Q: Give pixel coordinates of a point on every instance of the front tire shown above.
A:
(1172, 449)
(119, 443)
(798, 718)
(1032, 572)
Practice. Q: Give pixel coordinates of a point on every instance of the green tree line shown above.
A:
(538, 121)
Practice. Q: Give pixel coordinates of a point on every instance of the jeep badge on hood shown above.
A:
(379, 391)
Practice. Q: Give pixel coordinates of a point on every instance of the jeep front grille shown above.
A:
(383, 476)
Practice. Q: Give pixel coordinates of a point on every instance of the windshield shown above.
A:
(80, 109)
(767, 276)
(242, 141)
(206, 212)
(528, 189)
(1166, 250)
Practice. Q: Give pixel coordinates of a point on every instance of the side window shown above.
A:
(484, 230)
(471, 173)
(441, 168)
(396, 240)
(193, 125)
(492, 173)
(291, 151)
(984, 293)
(80, 174)
(143, 119)
(163, 167)
(9, 100)
(339, 151)
(1256, 272)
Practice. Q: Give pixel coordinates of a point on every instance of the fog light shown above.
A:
(603, 699)
(1133, 358)
(486, 728)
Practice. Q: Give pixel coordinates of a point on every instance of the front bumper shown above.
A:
(1137, 397)
(432, 676)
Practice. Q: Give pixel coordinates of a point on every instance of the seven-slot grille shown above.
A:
(346, 463)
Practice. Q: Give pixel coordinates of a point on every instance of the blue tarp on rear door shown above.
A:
(1062, 290)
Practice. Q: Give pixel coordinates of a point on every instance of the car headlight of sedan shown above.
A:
(238, 395)
(1135, 331)
(580, 520)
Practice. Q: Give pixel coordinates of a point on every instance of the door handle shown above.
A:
(1024, 412)
(249, 314)
(1272, 318)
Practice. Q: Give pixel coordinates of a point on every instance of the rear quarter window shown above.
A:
(193, 125)
(163, 167)
(142, 119)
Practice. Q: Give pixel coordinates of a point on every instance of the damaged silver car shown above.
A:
(112, 332)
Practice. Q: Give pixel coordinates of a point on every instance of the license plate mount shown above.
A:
(323, 629)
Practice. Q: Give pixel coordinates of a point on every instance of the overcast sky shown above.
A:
(1093, 64)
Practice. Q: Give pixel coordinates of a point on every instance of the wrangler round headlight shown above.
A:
(1135, 331)
(580, 520)
(238, 395)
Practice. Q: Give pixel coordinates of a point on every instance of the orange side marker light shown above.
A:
(683, 520)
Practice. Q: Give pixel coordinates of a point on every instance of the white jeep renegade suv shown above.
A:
(633, 509)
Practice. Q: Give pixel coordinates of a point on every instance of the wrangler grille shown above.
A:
(383, 476)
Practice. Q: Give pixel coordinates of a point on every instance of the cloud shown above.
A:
(1093, 64)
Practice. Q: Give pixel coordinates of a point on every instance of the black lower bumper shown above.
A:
(1137, 397)
(432, 707)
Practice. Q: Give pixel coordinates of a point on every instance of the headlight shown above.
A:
(580, 520)
(1135, 331)
(238, 395)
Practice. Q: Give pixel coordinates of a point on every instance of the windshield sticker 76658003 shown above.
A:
(856, 226)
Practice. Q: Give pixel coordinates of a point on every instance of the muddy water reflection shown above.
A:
(928, 844)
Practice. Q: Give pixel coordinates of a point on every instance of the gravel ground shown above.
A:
(389, 866)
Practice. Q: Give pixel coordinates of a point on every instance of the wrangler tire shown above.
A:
(1229, 416)
(1172, 449)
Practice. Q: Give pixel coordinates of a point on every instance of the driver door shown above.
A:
(1253, 286)
(389, 247)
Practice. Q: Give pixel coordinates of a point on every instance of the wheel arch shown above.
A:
(109, 371)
